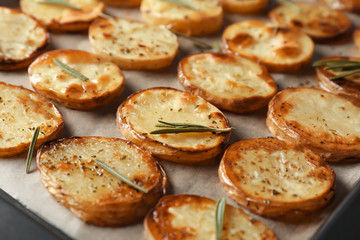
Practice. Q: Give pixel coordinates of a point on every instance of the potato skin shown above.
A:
(325, 141)
(159, 222)
(106, 204)
(29, 105)
(106, 84)
(245, 7)
(194, 23)
(122, 3)
(238, 38)
(357, 38)
(279, 205)
(239, 104)
(348, 87)
(319, 22)
(12, 64)
(197, 154)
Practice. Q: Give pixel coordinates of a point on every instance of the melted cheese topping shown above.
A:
(104, 76)
(322, 112)
(282, 175)
(133, 40)
(227, 79)
(178, 11)
(20, 35)
(48, 13)
(199, 222)
(21, 111)
(71, 166)
(144, 110)
(268, 43)
(315, 20)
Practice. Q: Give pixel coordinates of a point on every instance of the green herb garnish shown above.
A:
(348, 67)
(183, 2)
(219, 217)
(31, 149)
(118, 175)
(201, 45)
(69, 70)
(69, 5)
(216, 47)
(185, 128)
(290, 4)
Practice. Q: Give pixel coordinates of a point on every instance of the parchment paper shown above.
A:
(29, 190)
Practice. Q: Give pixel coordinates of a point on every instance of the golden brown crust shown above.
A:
(122, 3)
(12, 63)
(357, 38)
(256, 176)
(160, 223)
(195, 70)
(63, 19)
(105, 83)
(139, 113)
(27, 109)
(90, 192)
(182, 19)
(244, 7)
(279, 49)
(319, 22)
(347, 87)
(303, 116)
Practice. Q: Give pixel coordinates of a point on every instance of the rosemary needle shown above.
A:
(31, 149)
(346, 67)
(183, 2)
(185, 128)
(219, 217)
(118, 175)
(69, 70)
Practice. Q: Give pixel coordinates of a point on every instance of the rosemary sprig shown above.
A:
(63, 3)
(118, 175)
(31, 149)
(69, 70)
(219, 217)
(197, 42)
(185, 128)
(348, 67)
(184, 3)
(290, 4)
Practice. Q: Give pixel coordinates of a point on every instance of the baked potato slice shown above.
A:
(21, 111)
(347, 86)
(230, 82)
(319, 22)
(105, 80)
(275, 179)
(70, 174)
(244, 6)
(279, 49)
(324, 122)
(21, 40)
(133, 45)
(59, 18)
(204, 18)
(122, 3)
(185, 217)
(139, 114)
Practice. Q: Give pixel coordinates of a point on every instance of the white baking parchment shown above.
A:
(202, 180)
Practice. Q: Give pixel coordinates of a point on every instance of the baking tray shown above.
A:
(30, 192)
